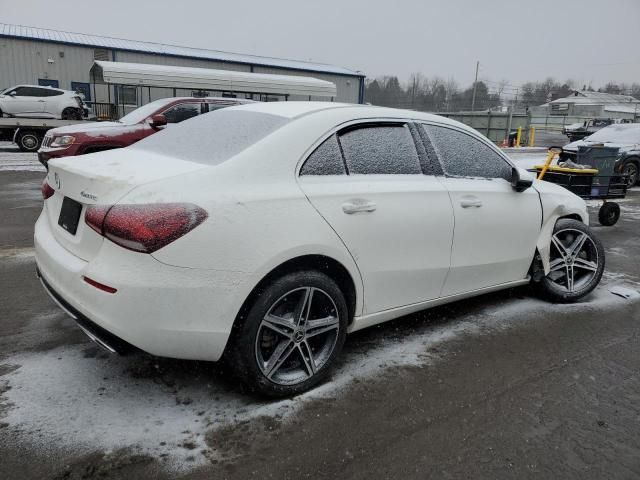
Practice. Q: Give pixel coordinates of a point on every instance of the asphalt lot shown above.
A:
(501, 386)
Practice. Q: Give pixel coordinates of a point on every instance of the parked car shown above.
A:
(34, 101)
(136, 125)
(624, 136)
(287, 225)
(578, 131)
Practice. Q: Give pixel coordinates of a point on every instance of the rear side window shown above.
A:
(325, 160)
(384, 149)
(465, 156)
(182, 111)
(213, 138)
(47, 92)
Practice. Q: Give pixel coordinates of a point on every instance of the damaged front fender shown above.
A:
(557, 202)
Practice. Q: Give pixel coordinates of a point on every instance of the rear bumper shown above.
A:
(102, 337)
(160, 309)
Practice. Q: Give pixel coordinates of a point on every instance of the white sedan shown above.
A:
(288, 225)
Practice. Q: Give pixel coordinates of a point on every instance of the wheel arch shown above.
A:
(323, 263)
(543, 250)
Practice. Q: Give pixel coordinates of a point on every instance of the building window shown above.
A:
(47, 82)
(101, 54)
(83, 89)
(127, 95)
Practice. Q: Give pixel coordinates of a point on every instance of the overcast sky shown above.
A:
(590, 41)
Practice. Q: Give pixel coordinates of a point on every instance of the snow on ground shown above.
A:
(75, 398)
(12, 159)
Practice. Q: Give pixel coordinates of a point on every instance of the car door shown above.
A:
(496, 228)
(24, 102)
(367, 182)
(52, 101)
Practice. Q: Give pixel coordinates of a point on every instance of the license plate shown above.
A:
(70, 215)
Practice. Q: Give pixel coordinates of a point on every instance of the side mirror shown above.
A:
(13, 94)
(521, 179)
(158, 120)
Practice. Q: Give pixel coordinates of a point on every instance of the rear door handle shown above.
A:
(358, 205)
(470, 202)
(41, 101)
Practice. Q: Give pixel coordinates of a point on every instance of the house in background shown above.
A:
(587, 104)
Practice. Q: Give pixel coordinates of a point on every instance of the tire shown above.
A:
(632, 169)
(276, 358)
(609, 214)
(586, 265)
(29, 141)
(71, 114)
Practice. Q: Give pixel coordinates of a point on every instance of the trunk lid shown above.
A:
(100, 179)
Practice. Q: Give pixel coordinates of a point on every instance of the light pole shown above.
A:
(475, 85)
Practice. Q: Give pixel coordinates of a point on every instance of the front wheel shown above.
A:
(291, 335)
(576, 262)
(633, 173)
(71, 114)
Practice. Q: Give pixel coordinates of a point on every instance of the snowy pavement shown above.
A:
(501, 385)
(12, 159)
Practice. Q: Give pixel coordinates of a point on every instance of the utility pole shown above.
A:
(475, 85)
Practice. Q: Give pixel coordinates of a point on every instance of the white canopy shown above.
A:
(208, 79)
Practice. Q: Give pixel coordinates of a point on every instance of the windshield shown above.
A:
(214, 137)
(622, 133)
(139, 114)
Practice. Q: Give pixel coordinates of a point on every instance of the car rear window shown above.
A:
(214, 137)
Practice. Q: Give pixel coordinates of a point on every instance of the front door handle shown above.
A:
(358, 205)
(470, 202)
(42, 101)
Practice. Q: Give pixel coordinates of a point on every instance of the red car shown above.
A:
(142, 122)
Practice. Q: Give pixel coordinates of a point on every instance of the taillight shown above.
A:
(47, 190)
(144, 228)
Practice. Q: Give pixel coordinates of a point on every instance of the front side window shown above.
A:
(462, 155)
(380, 149)
(182, 111)
(325, 160)
(27, 92)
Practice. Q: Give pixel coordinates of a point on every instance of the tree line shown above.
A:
(439, 95)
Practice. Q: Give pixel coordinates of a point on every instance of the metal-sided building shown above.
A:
(75, 61)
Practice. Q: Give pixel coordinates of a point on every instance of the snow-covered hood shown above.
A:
(574, 126)
(94, 129)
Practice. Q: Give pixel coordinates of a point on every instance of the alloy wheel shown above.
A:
(631, 170)
(297, 336)
(573, 260)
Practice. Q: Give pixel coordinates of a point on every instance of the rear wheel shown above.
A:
(28, 141)
(291, 335)
(576, 262)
